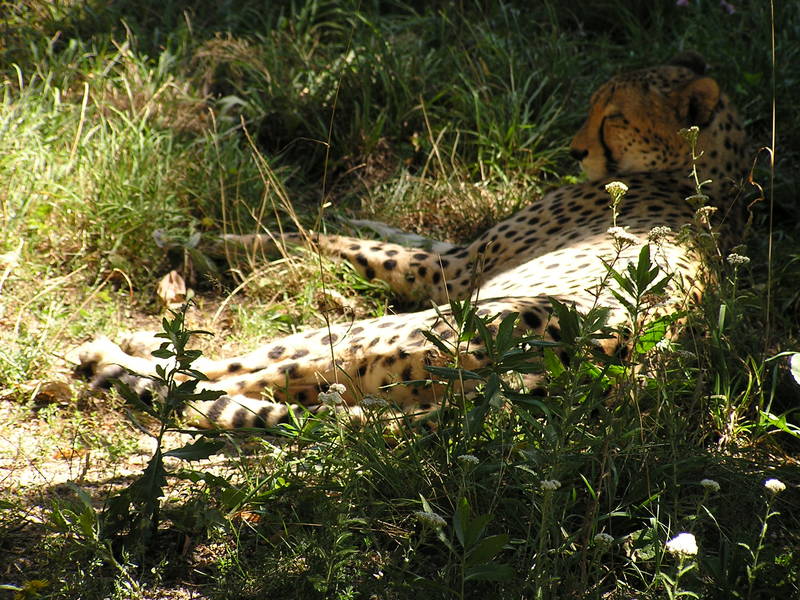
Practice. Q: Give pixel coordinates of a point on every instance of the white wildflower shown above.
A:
(709, 485)
(704, 213)
(373, 402)
(622, 236)
(659, 234)
(737, 260)
(616, 189)
(333, 397)
(664, 345)
(430, 519)
(603, 540)
(467, 459)
(774, 486)
(721, 397)
(336, 388)
(550, 485)
(683, 544)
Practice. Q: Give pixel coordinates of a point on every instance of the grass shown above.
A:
(134, 133)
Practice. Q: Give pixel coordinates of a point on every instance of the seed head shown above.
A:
(430, 519)
(603, 540)
(690, 134)
(550, 485)
(709, 485)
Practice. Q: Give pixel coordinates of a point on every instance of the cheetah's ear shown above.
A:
(697, 100)
(690, 60)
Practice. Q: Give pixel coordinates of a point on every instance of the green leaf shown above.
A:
(199, 450)
(486, 549)
(131, 397)
(163, 353)
(553, 364)
(779, 422)
(653, 333)
(489, 572)
(434, 339)
(644, 276)
(452, 374)
(505, 332)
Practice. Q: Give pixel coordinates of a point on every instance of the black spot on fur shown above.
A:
(240, 418)
(532, 320)
(262, 417)
(289, 370)
(234, 367)
(276, 352)
(216, 410)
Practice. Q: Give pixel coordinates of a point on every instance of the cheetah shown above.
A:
(553, 249)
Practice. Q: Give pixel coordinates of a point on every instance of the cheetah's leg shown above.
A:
(378, 356)
(414, 274)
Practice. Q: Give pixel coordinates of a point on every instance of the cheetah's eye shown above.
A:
(616, 115)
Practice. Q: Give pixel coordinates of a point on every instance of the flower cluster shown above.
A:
(550, 485)
(659, 234)
(373, 402)
(704, 213)
(616, 189)
(467, 459)
(774, 486)
(709, 485)
(622, 237)
(737, 260)
(333, 397)
(682, 544)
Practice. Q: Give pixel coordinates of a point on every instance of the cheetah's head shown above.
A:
(634, 121)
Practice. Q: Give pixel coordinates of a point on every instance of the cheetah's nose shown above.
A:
(578, 154)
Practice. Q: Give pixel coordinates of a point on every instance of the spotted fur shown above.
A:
(552, 248)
